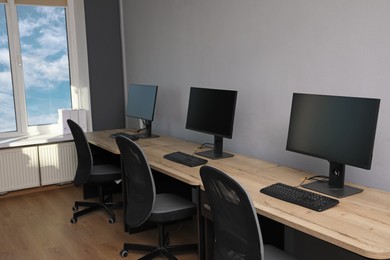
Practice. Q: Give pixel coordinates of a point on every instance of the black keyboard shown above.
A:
(299, 196)
(186, 159)
(130, 136)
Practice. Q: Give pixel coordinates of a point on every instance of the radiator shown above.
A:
(19, 168)
(57, 162)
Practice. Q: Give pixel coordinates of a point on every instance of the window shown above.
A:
(35, 78)
(7, 104)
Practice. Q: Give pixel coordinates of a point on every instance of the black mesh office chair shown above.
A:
(236, 226)
(97, 175)
(142, 204)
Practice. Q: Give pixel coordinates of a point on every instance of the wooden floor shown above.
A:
(37, 226)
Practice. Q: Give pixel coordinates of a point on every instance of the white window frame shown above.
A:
(17, 71)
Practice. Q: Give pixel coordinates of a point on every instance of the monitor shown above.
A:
(211, 111)
(338, 129)
(141, 102)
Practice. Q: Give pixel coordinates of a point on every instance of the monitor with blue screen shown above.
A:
(141, 102)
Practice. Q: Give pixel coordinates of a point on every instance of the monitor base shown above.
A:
(144, 136)
(323, 187)
(210, 154)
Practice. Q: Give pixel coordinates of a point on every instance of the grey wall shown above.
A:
(265, 49)
(102, 19)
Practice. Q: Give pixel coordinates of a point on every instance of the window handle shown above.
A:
(19, 58)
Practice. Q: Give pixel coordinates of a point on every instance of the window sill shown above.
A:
(34, 140)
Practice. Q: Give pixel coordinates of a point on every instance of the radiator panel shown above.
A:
(19, 168)
(58, 163)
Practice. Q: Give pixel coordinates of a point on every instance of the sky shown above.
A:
(44, 52)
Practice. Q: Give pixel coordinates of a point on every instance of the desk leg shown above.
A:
(205, 230)
(209, 238)
(201, 224)
(206, 238)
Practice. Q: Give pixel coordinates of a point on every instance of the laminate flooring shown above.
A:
(37, 226)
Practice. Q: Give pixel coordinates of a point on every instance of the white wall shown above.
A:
(265, 49)
(80, 73)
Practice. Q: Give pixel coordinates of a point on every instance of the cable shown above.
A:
(319, 178)
(143, 128)
(206, 145)
(203, 146)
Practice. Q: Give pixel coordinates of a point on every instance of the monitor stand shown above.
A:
(335, 186)
(217, 152)
(146, 136)
(148, 131)
(323, 187)
(212, 155)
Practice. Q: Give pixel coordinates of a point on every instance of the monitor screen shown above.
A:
(335, 128)
(141, 100)
(212, 111)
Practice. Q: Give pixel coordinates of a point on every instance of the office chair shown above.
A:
(236, 227)
(88, 173)
(141, 203)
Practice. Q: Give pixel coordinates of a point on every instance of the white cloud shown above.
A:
(43, 119)
(45, 64)
(7, 113)
(3, 40)
(45, 73)
(4, 58)
(5, 82)
(27, 27)
(44, 46)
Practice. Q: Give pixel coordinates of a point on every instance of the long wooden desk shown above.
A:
(360, 223)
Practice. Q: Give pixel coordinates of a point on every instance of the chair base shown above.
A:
(155, 251)
(93, 206)
(164, 249)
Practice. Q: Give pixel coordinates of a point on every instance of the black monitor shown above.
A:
(141, 101)
(211, 111)
(338, 129)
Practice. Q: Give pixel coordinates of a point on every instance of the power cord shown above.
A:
(319, 178)
(202, 146)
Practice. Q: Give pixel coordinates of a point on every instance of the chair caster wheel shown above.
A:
(123, 253)
(75, 208)
(111, 220)
(167, 239)
(73, 220)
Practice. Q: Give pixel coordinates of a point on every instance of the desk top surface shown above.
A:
(359, 223)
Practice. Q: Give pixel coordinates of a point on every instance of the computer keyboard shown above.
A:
(299, 196)
(186, 159)
(130, 136)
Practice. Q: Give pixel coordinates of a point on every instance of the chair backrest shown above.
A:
(237, 230)
(84, 154)
(138, 181)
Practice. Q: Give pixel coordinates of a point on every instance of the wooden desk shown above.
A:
(360, 223)
(154, 149)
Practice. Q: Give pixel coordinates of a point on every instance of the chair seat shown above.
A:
(170, 207)
(104, 173)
